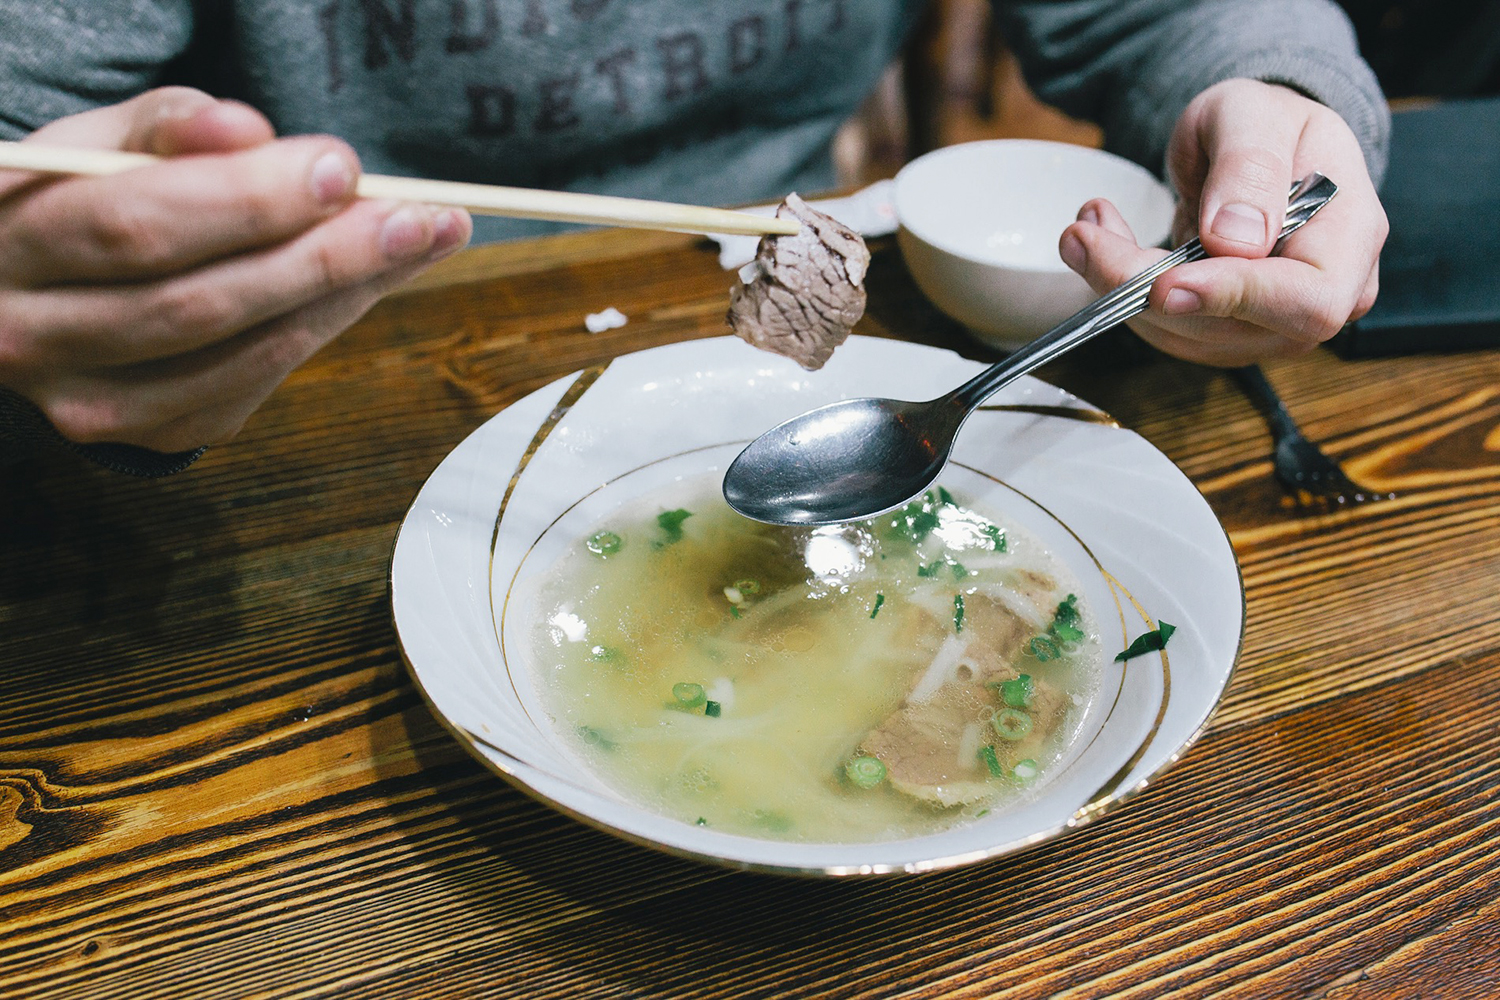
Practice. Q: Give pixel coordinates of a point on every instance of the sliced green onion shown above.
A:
(879, 600)
(1067, 633)
(688, 694)
(1018, 692)
(604, 654)
(865, 771)
(946, 497)
(991, 761)
(1043, 648)
(734, 609)
(1067, 612)
(958, 570)
(1148, 642)
(702, 821)
(996, 535)
(917, 519)
(747, 586)
(1011, 723)
(671, 522)
(604, 543)
(712, 709)
(958, 612)
(931, 568)
(1025, 770)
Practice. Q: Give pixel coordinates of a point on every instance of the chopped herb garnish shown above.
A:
(604, 654)
(702, 821)
(930, 569)
(946, 497)
(1025, 770)
(1018, 692)
(734, 609)
(670, 522)
(996, 535)
(991, 762)
(1011, 723)
(604, 543)
(712, 709)
(958, 612)
(917, 519)
(865, 771)
(1148, 642)
(1068, 633)
(688, 694)
(1043, 648)
(959, 572)
(879, 600)
(1065, 628)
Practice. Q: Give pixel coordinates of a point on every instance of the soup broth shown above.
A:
(868, 681)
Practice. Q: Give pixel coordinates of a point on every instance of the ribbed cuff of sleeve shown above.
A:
(24, 431)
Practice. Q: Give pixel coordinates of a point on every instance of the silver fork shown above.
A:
(1312, 478)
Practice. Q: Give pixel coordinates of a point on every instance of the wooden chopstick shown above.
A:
(482, 199)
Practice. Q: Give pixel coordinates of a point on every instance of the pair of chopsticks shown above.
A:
(481, 199)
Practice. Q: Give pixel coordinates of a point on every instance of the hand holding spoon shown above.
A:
(860, 457)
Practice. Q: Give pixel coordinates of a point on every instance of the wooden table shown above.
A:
(217, 779)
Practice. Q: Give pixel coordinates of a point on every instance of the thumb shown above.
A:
(167, 121)
(1248, 141)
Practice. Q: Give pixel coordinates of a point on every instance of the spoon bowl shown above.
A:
(844, 461)
(861, 457)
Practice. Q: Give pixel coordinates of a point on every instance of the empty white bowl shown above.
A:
(980, 221)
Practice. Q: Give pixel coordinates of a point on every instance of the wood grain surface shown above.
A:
(217, 780)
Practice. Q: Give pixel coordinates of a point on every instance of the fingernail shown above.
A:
(1072, 252)
(448, 233)
(331, 179)
(406, 234)
(1240, 224)
(1179, 301)
(1089, 214)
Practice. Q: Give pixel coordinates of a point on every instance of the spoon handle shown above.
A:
(1123, 302)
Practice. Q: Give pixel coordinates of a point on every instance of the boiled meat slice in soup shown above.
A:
(931, 745)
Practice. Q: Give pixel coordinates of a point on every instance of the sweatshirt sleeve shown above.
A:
(1132, 66)
(57, 59)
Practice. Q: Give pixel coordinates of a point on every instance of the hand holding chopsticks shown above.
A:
(481, 199)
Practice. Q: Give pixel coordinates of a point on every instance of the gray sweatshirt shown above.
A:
(713, 102)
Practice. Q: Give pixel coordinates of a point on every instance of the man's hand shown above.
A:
(1233, 158)
(159, 307)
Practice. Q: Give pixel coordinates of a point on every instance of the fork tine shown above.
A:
(1303, 469)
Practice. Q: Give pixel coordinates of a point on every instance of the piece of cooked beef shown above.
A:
(803, 293)
(930, 745)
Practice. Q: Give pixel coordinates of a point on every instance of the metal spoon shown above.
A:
(860, 457)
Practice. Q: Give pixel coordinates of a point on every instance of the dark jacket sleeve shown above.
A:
(1132, 66)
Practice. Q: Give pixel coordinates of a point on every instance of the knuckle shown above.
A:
(328, 267)
(262, 202)
(282, 348)
(200, 310)
(124, 229)
(1326, 315)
